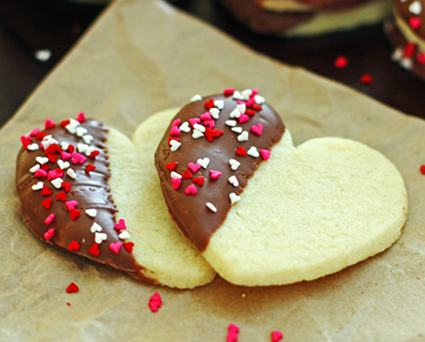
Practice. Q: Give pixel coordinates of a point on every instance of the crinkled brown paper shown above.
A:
(144, 56)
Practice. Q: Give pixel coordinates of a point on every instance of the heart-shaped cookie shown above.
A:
(106, 209)
(305, 213)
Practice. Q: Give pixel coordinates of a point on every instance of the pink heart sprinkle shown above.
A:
(66, 155)
(175, 131)
(49, 234)
(49, 124)
(232, 336)
(243, 118)
(78, 158)
(176, 123)
(40, 173)
(257, 129)
(120, 225)
(276, 336)
(265, 154)
(254, 92)
(421, 58)
(155, 302)
(194, 167)
(25, 140)
(209, 123)
(415, 22)
(176, 183)
(240, 102)
(53, 174)
(81, 117)
(191, 190)
(214, 174)
(194, 121)
(49, 218)
(250, 102)
(70, 205)
(115, 246)
(34, 132)
(233, 328)
(206, 116)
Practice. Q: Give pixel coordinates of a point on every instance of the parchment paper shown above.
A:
(144, 56)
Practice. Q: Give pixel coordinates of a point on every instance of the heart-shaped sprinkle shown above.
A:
(265, 154)
(174, 145)
(45, 167)
(75, 213)
(80, 131)
(82, 148)
(234, 164)
(46, 190)
(235, 113)
(26, 141)
(228, 91)
(276, 336)
(409, 50)
(49, 124)
(175, 131)
(91, 212)
(42, 160)
(65, 123)
(233, 180)
(203, 162)
(199, 128)
(243, 118)
(64, 146)
(415, 7)
(206, 116)
(257, 129)
(155, 302)
(81, 118)
(211, 207)
(231, 123)
(176, 123)
(241, 151)
(244, 136)
(197, 134)
(61, 196)
(124, 235)
(57, 182)
(90, 168)
(171, 166)
(73, 246)
(253, 152)
(211, 133)
(257, 107)
(232, 334)
(88, 139)
(100, 237)
(35, 168)
(415, 23)
(219, 104)
(78, 158)
(63, 165)
(115, 246)
(237, 129)
(250, 112)
(187, 174)
(199, 180)
(120, 225)
(234, 198)
(34, 132)
(71, 205)
(66, 155)
(194, 121)
(237, 95)
(94, 249)
(195, 98)
(191, 190)
(209, 104)
(174, 174)
(94, 154)
(52, 157)
(66, 186)
(241, 108)
(215, 113)
(194, 167)
(47, 203)
(49, 218)
(49, 234)
(209, 123)
(214, 174)
(184, 127)
(33, 147)
(340, 62)
(95, 228)
(176, 182)
(128, 246)
(38, 186)
(72, 288)
(233, 328)
(421, 58)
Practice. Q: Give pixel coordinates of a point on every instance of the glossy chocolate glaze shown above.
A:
(189, 212)
(403, 11)
(90, 190)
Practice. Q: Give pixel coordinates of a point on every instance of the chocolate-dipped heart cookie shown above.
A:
(80, 185)
(267, 213)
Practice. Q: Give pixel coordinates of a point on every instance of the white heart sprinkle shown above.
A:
(42, 160)
(38, 186)
(415, 8)
(406, 63)
(57, 183)
(243, 136)
(71, 128)
(234, 198)
(100, 237)
(197, 97)
(95, 228)
(64, 146)
(124, 235)
(235, 113)
(62, 164)
(197, 134)
(175, 145)
(241, 108)
(87, 138)
(203, 162)
(175, 175)
(246, 94)
(91, 212)
(211, 207)
(71, 173)
(199, 127)
(82, 147)
(397, 54)
(47, 137)
(234, 164)
(230, 123)
(184, 127)
(234, 181)
(35, 168)
(81, 131)
(46, 143)
(253, 152)
(237, 95)
(237, 129)
(259, 99)
(219, 104)
(33, 147)
(215, 113)
(90, 150)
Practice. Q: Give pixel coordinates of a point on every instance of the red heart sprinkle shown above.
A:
(341, 62)
(421, 58)
(94, 249)
(199, 180)
(53, 149)
(46, 191)
(81, 117)
(49, 124)
(65, 123)
(209, 104)
(187, 174)
(422, 169)
(72, 288)
(26, 141)
(71, 148)
(276, 336)
(75, 213)
(73, 246)
(228, 91)
(66, 186)
(366, 79)
(256, 106)
(250, 112)
(212, 133)
(47, 203)
(61, 196)
(241, 151)
(90, 168)
(128, 246)
(155, 302)
(52, 157)
(45, 167)
(415, 22)
(409, 50)
(171, 166)
(40, 135)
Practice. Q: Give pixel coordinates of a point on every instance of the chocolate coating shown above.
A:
(403, 11)
(90, 190)
(189, 212)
